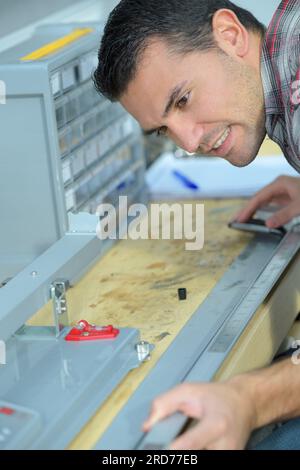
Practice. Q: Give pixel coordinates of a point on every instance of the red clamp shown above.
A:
(6, 411)
(86, 332)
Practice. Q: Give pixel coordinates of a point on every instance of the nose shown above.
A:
(186, 134)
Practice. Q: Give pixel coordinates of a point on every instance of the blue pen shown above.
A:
(186, 181)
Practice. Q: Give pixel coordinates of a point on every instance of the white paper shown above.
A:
(215, 178)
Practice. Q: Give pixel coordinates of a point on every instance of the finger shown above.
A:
(163, 409)
(179, 399)
(281, 200)
(199, 437)
(283, 216)
(265, 196)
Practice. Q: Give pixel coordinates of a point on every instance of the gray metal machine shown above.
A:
(63, 149)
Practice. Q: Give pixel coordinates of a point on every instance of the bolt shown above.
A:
(34, 273)
(143, 349)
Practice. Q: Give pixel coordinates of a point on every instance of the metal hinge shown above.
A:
(58, 291)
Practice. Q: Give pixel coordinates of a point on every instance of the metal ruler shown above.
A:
(219, 322)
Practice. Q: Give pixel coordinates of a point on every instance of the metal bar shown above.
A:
(160, 437)
(125, 431)
(218, 349)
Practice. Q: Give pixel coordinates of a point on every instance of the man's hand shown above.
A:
(284, 191)
(226, 415)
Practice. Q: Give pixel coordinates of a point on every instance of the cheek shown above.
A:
(245, 140)
(205, 110)
(239, 135)
(216, 106)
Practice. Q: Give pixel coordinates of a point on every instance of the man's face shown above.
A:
(207, 102)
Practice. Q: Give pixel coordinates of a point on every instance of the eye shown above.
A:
(183, 101)
(162, 131)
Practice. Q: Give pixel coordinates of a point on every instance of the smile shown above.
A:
(222, 139)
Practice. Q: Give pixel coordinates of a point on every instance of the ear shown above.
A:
(229, 33)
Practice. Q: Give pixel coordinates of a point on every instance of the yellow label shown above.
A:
(57, 45)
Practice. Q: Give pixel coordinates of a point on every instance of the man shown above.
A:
(208, 75)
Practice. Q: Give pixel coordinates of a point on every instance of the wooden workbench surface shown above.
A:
(135, 285)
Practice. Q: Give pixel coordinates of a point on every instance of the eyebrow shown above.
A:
(175, 92)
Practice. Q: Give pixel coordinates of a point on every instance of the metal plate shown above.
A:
(64, 383)
(19, 426)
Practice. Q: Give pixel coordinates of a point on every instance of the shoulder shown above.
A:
(283, 32)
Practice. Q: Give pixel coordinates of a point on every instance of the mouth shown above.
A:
(223, 144)
(221, 140)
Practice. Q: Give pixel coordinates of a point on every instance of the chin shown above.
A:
(241, 161)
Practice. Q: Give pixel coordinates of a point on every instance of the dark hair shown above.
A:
(185, 25)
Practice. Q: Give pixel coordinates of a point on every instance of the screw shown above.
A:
(34, 273)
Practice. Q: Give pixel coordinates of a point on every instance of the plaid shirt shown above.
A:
(281, 79)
